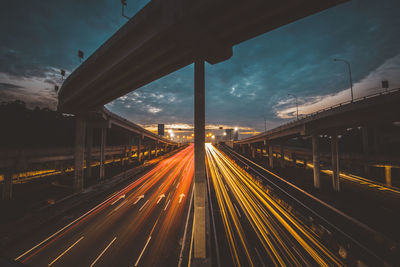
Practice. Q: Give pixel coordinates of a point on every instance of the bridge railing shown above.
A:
(345, 103)
(355, 100)
(310, 115)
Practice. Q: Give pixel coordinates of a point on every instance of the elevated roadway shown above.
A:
(14, 162)
(163, 37)
(167, 35)
(366, 112)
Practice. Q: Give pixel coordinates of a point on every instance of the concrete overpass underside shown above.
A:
(167, 35)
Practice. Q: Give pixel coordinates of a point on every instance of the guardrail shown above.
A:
(355, 100)
(340, 105)
(313, 114)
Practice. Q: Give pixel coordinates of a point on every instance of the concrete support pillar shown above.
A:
(271, 156)
(102, 152)
(21, 164)
(156, 148)
(123, 155)
(305, 163)
(150, 147)
(89, 150)
(139, 149)
(7, 186)
(282, 159)
(316, 160)
(129, 148)
(377, 140)
(264, 155)
(335, 163)
(243, 149)
(388, 175)
(199, 162)
(253, 151)
(365, 141)
(294, 158)
(79, 156)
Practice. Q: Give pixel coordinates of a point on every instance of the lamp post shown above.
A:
(297, 105)
(351, 81)
(265, 124)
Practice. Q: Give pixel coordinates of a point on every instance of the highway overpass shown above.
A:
(366, 112)
(19, 161)
(163, 37)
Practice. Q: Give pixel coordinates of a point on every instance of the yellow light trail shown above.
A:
(354, 178)
(351, 177)
(23, 177)
(285, 239)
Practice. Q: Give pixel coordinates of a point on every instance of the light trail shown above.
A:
(284, 238)
(104, 250)
(168, 171)
(68, 249)
(174, 213)
(354, 178)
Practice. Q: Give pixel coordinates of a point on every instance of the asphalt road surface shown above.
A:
(141, 225)
(258, 231)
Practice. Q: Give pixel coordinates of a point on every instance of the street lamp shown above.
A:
(297, 105)
(265, 124)
(351, 81)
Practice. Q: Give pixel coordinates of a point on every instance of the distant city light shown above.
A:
(236, 129)
(213, 137)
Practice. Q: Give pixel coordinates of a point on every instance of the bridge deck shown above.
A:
(369, 110)
(167, 35)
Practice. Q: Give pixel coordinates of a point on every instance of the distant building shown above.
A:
(236, 135)
(229, 134)
(219, 139)
(161, 129)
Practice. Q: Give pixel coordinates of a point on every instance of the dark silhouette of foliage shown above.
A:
(41, 127)
(22, 127)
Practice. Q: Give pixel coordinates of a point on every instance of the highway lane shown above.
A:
(258, 230)
(343, 232)
(140, 225)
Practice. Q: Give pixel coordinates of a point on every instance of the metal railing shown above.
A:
(310, 115)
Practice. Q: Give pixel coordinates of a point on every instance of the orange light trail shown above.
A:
(167, 170)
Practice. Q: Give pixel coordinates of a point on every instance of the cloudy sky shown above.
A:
(40, 37)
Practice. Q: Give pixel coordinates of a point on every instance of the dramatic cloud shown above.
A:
(33, 91)
(248, 90)
(371, 84)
